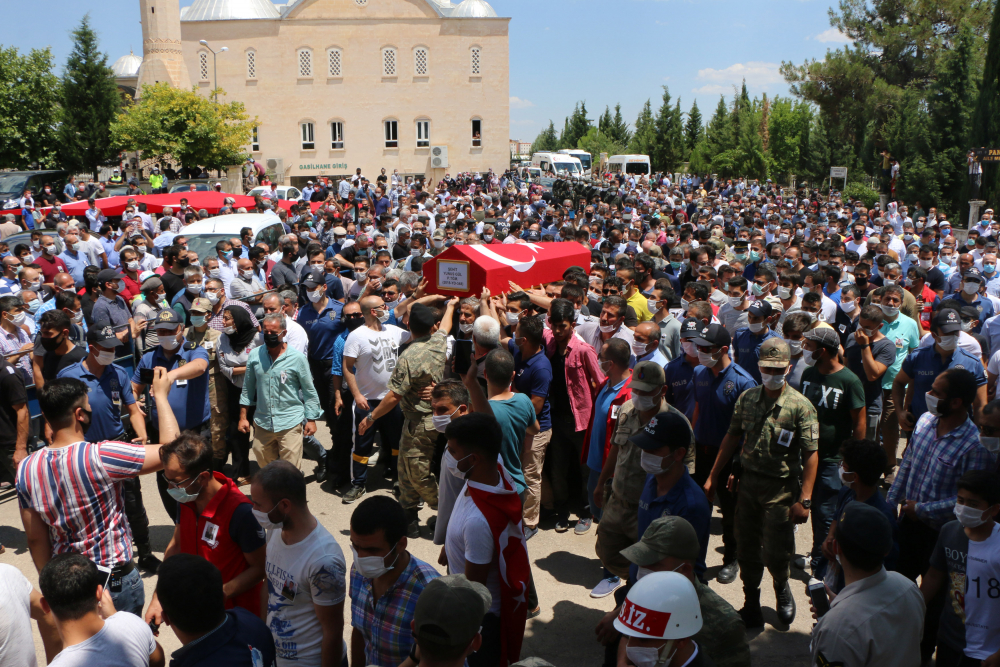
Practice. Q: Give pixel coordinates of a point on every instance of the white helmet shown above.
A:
(661, 605)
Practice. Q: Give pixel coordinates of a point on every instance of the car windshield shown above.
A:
(584, 160)
(11, 184)
(571, 167)
(637, 168)
(204, 244)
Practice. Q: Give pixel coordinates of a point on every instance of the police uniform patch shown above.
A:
(959, 366)
(729, 388)
(650, 426)
(333, 316)
(843, 328)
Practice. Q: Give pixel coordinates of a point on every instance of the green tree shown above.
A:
(595, 143)
(186, 126)
(604, 122)
(576, 126)
(986, 122)
(694, 128)
(28, 109)
(547, 140)
(719, 135)
(87, 84)
(668, 148)
(784, 139)
(643, 141)
(619, 128)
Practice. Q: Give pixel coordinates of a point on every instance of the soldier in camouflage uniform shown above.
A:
(218, 388)
(618, 527)
(779, 461)
(422, 364)
(670, 544)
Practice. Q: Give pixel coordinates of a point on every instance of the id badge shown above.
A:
(181, 383)
(116, 398)
(210, 534)
(785, 438)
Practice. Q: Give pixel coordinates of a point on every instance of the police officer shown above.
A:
(321, 318)
(108, 388)
(778, 470)
(747, 340)
(680, 371)
(718, 383)
(187, 365)
(925, 363)
(421, 365)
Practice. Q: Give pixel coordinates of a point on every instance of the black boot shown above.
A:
(727, 574)
(751, 614)
(412, 524)
(784, 604)
(147, 561)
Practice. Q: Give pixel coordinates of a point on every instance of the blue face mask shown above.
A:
(182, 495)
(675, 265)
(4, 254)
(754, 256)
(228, 255)
(989, 268)
(198, 320)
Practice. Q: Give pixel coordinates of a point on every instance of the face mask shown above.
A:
(675, 265)
(948, 343)
(970, 288)
(50, 344)
(272, 340)
(969, 517)
(644, 403)
(50, 249)
(684, 304)
(844, 474)
(648, 656)
(195, 288)
(653, 465)
(889, 311)
(795, 346)
(372, 567)
(773, 382)
(265, 521)
(707, 359)
(990, 443)
(754, 256)
(809, 358)
(169, 342)
(932, 404)
(451, 463)
(140, 249)
(315, 295)
(755, 327)
(105, 358)
(785, 293)
(441, 421)
(948, 259)
(183, 495)
(690, 349)
(651, 305)
(735, 301)
(848, 306)
(385, 316)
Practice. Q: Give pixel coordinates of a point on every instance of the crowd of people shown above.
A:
(728, 343)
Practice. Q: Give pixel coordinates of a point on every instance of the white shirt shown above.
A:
(375, 353)
(124, 641)
(16, 644)
(591, 332)
(296, 336)
(310, 572)
(982, 599)
(470, 538)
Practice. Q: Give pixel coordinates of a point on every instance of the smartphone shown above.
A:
(105, 573)
(820, 600)
(146, 375)
(462, 353)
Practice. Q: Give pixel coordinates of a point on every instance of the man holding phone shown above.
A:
(90, 474)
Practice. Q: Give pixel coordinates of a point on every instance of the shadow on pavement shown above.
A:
(547, 639)
(570, 568)
(13, 540)
(783, 649)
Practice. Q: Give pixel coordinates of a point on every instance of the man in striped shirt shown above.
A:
(70, 493)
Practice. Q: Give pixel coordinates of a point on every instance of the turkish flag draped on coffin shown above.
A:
(463, 270)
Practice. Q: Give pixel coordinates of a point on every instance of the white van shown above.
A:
(585, 158)
(637, 165)
(204, 234)
(566, 166)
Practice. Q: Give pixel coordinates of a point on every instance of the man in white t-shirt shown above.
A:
(306, 571)
(21, 604)
(92, 632)
(370, 354)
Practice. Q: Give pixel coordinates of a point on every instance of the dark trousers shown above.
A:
(949, 657)
(704, 460)
(488, 654)
(916, 543)
(239, 443)
(567, 473)
(320, 371)
(824, 504)
(135, 512)
(390, 427)
(338, 459)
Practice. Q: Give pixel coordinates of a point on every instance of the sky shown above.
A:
(561, 51)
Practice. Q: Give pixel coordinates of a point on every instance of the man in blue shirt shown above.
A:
(669, 489)
(338, 461)
(75, 260)
(718, 382)
(679, 373)
(972, 283)
(321, 318)
(747, 340)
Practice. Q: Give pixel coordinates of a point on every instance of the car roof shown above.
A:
(231, 224)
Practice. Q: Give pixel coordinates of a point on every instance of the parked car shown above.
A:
(284, 192)
(185, 186)
(14, 183)
(204, 234)
(25, 237)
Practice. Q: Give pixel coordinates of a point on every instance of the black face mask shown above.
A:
(51, 344)
(272, 340)
(183, 263)
(354, 321)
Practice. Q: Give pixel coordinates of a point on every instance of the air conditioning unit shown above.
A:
(439, 157)
(274, 168)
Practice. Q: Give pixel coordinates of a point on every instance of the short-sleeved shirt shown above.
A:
(599, 428)
(905, 336)
(834, 396)
(89, 517)
(884, 352)
(16, 644)
(716, 397)
(53, 364)
(116, 312)
(533, 377)
(514, 415)
(420, 365)
(680, 385)
(982, 597)
(776, 432)
(376, 354)
(925, 364)
(321, 328)
(106, 394)
(746, 348)
(685, 499)
(950, 556)
(189, 400)
(124, 641)
(981, 304)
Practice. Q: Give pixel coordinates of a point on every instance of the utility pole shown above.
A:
(215, 69)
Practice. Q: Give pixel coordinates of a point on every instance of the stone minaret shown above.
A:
(162, 59)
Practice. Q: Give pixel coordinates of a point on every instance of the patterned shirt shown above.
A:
(77, 491)
(776, 432)
(215, 321)
(11, 343)
(932, 465)
(385, 623)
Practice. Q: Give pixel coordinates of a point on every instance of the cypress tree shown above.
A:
(694, 130)
(619, 128)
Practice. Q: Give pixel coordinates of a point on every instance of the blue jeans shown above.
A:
(595, 511)
(132, 596)
(824, 504)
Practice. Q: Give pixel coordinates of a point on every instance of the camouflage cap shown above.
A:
(774, 353)
(668, 536)
(648, 376)
(201, 305)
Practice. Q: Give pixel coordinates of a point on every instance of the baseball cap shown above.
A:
(775, 302)
(534, 236)
(103, 334)
(665, 427)
(947, 321)
(201, 305)
(108, 276)
(167, 319)
(668, 536)
(647, 376)
(865, 527)
(314, 278)
(825, 336)
(774, 353)
(713, 334)
(760, 309)
(450, 611)
(971, 274)
(691, 328)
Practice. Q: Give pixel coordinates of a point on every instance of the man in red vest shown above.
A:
(216, 522)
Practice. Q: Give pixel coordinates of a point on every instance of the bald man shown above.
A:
(646, 344)
(246, 287)
(295, 335)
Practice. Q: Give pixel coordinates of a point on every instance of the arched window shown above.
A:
(391, 134)
(388, 61)
(475, 60)
(308, 137)
(423, 133)
(334, 63)
(420, 61)
(336, 135)
(251, 64)
(255, 140)
(203, 65)
(305, 62)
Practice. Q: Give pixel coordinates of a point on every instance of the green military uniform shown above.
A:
(722, 634)
(777, 432)
(218, 391)
(619, 524)
(422, 364)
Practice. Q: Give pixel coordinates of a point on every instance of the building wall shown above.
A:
(450, 96)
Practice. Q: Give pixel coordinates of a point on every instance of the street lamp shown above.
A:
(215, 69)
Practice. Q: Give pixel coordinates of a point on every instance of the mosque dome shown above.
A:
(127, 67)
(222, 10)
(473, 9)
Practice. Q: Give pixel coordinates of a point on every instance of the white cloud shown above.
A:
(832, 36)
(518, 103)
(712, 89)
(757, 75)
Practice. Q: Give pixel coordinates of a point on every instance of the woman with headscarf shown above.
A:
(239, 338)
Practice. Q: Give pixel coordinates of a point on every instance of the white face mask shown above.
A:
(372, 567)
(212, 297)
(105, 358)
(169, 342)
(229, 331)
(264, 521)
(848, 306)
(315, 295)
(140, 249)
(755, 327)
(464, 328)
(949, 342)
(195, 288)
(684, 304)
(735, 301)
(441, 421)
(969, 517)
(990, 443)
(889, 311)
(247, 275)
(649, 656)
(843, 475)
(653, 465)
(384, 317)
(651, 305)
(638, 349)
(795, 346)
(773, 382)
(970, 288)
(690, 349)
(644, 403)
(451, 463)
(707, 359)
(785, 293)
(809, 358)
(932, 404)
(924, 263)
(607, 329)
(512, 318)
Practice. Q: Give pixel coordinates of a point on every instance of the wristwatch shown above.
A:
(807, 503)
(368, 417)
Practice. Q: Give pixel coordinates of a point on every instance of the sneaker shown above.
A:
(606, 587)
(562, 525)
(583, 526)
(537, 611)
(353, 494)
(529, 532)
